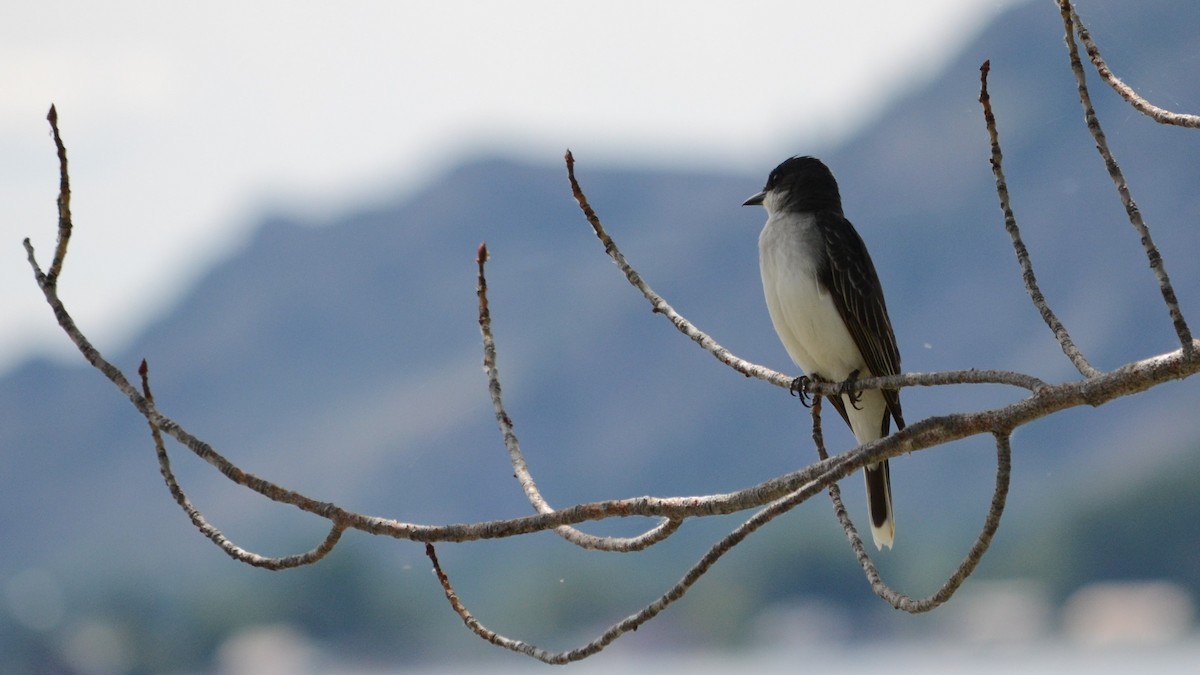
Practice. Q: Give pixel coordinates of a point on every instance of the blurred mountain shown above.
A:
(342, 359)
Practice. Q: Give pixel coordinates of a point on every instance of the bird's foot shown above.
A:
(847, 390)
(800, 388)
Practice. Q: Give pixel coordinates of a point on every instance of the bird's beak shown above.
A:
(756, 200)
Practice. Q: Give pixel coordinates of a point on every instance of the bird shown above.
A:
(827, 306)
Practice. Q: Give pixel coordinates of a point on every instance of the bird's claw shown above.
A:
(853, 396)
(800, 388)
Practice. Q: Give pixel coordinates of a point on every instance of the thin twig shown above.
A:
(1010, 225)
(520, 469)
(1118, 179)
(469, 619)
(658, 303)
(1160, 115)
(841, 513)
(64, 201)
(207, 529)
(839, 508)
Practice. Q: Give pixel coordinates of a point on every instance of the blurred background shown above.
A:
(278, 206)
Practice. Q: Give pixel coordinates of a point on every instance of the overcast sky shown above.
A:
(183, 122)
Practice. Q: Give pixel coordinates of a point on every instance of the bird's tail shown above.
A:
(879, 504)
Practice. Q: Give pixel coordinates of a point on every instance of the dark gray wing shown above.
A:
(850, 276)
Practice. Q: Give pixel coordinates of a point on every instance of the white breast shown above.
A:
(806, 319)
(804, 315)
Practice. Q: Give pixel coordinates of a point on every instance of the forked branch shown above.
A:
(1118, 178)
(1160, 115)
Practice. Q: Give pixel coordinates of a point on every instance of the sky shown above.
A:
(186, 122)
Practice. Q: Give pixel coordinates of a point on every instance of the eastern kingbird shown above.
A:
(827, 307)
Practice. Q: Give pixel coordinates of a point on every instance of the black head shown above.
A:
(800, 184)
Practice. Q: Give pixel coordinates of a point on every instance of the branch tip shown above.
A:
(64, 200)
(144, 374)
(984, 98)
(481, 254)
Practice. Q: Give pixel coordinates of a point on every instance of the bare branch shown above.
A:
(974, 555)
(473, 623)
(634, 621)
(771, 497)
(659, 304)
(1160, 115)
(1118, 179)
(1045, 400)
(965, 568)
(1010, 225)
(233, 550)
(64, 201)
(520, 469)
(941, 378)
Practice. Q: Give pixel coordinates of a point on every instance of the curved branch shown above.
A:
(1010, 225)
(207, 529)
(964, 569)
(520, 469)
(657, 302)
(648, 612)
(974, 555)
(1160, 115)
(1118, 179)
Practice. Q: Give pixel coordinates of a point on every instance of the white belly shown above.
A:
(807, 321)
